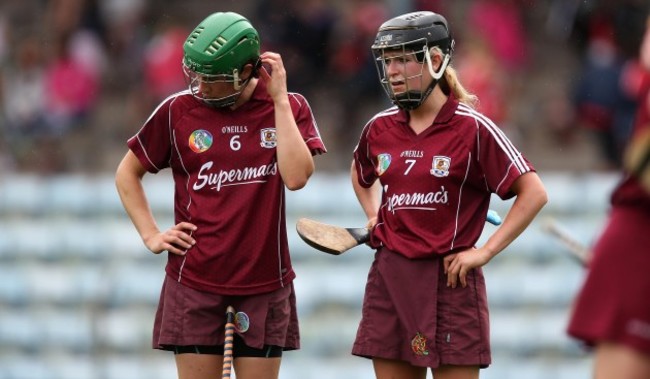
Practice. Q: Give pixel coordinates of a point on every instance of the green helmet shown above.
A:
(216, 51)
(220, 44)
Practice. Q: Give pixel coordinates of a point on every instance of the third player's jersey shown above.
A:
(437, 184)
(630, 192)
(227, 182)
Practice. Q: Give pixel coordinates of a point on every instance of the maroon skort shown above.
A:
(186, 316)
(410, 314)
(614, 302)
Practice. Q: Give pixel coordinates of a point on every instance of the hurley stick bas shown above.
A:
(579, 252)
(228, 343)
(337, 240)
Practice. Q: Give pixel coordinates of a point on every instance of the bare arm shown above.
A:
(369, 198)
(128, 180)
(531, 197)
(295, 161)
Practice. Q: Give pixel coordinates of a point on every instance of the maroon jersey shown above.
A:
(437, 184)
(227, 183)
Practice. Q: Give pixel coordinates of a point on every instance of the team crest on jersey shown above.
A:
(440, 166)
(383, 161)
(269, 138)
(200, 140)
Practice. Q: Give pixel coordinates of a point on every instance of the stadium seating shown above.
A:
(78, 289)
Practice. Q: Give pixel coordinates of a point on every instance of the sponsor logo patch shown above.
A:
(200, 140)
(383, 161)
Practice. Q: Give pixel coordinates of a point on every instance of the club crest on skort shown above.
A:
(419, 344)
(200, 140)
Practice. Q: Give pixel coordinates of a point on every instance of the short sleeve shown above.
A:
(501, 161)
(307, 125)
(366, 175)
(152, 143)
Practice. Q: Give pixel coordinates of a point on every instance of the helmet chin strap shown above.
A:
(443, 66)
(238, 85)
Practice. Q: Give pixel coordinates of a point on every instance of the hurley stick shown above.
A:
(578, 251)
(228, 343)
(337, 240)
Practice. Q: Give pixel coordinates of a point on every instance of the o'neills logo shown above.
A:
(234, 177)
(417, 199)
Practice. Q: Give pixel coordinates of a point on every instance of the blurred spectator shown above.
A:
(606, 92)
(161, 72)
(353, 69)
(272, 21)
(127, 35)
(123, 48)
(485, 76)
(351, 58)
(497, 44)
(22, 95)
(299, 30)
(23, 92)
(502, 25)
(4, 35)
(71, 87)
(161, 64)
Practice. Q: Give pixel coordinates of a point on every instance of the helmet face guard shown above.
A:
(416, 34)
(194, 80)
(410, 98)
(216, 51)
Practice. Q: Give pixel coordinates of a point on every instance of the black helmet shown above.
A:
(414, 33)
(414, 30)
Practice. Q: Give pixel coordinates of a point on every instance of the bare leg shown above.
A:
(257, 368)
(456, 372)
(621, 362)
(208, 366)
(199, 366)
(394, 369)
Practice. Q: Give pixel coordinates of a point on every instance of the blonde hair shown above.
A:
(449, 83)
(456, 87)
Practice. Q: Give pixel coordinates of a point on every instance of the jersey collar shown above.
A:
(447, 111)
(444, 115)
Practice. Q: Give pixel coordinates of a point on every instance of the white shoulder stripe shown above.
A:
(387, 112)
(294, 96)
(146, 154)
(501, 139)
(313, 121)
(177, 94)
(366, 129)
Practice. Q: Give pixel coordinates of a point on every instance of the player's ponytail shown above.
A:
(451, 83)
